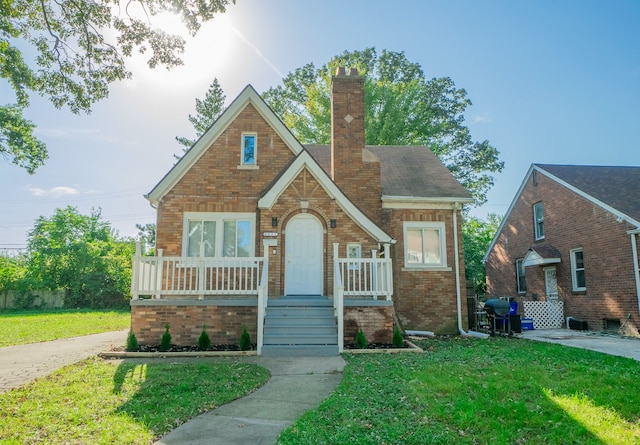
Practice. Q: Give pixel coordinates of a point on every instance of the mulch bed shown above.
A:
(176, 348)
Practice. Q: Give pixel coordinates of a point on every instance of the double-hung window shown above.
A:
(520, 277)
(577, 270)
(424, 245)
(220, 234)
(538, 221)
(354, 252)
(249, 149)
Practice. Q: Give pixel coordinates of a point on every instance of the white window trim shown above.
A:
(355, 265)
(574, 276)
(219, 218)
(443, 244)
(520, 291)
(535, 222)
(255, 150)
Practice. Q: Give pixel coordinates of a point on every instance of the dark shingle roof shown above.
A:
(618, 187)
(405, 171)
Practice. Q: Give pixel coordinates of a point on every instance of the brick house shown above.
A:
(302, 245)
(570, 239)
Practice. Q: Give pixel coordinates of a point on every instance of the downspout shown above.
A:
(636, 269)
(456, 256)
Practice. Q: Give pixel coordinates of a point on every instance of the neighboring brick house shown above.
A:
(251, 225)
(571, 235)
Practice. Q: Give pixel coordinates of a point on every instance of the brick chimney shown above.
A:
(359, 179)
(347, 124)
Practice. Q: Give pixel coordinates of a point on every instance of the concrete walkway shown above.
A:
(24, 363)
(595, 341)
(297, 384)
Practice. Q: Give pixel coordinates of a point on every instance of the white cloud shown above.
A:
(54, 192)
(482, 118)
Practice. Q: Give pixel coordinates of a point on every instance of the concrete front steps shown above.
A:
(300, 326)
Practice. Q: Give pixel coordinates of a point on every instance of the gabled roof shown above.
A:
(613, 188)
(305, 160)
(247, 96)
(541, 255)
(616, 187)
(406, 172)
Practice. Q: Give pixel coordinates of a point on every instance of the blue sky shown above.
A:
(551, 82)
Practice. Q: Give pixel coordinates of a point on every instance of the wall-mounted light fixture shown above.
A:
(274, 222)
(333, 223)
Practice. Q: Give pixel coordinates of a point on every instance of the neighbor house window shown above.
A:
(354, 251)
(538, 221)
(222, 234)
(249, 145)
(424, 244)
(522, 284)
(577, 269)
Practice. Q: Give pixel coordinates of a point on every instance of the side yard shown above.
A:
(22, 327)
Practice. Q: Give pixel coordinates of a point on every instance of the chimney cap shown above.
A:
(353, 71)
(340, 71)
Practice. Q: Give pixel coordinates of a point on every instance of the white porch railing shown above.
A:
(195, 276)
(359, 278)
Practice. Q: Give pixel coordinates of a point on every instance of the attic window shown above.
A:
(249, 149)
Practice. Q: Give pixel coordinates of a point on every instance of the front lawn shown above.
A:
(130, 402)
(471, 391)
(21, 327)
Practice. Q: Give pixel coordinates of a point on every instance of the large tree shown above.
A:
(207, 111)
(82, 255)
(402, 107)
(79, 48)
(477, 234)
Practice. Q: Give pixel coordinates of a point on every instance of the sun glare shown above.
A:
(604, 423)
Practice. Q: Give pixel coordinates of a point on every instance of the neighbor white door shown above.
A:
(303, 256)
(551, 283)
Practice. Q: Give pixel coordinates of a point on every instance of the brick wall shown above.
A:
(224, 324)
(426, 299)
(570, 221)
(375, 321)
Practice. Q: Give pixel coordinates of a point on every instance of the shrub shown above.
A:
(204, 342)
(361, 340)
(245, 340)
(165, 344)
(398, 339)
(132, 342)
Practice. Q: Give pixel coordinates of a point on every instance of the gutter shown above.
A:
(636, 269)
(456, 207)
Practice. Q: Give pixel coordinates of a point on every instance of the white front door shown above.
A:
(303, 256)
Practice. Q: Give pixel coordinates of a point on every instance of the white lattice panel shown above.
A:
(545, 314)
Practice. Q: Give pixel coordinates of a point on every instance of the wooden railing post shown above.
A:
(201, 272)
(388, 271)
(135, 273)
(158, 271)
(338, 297)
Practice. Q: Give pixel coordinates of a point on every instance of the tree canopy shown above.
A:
(82, 255)
(402, 107)
(207, 111)
(477, 234)
(80, 48)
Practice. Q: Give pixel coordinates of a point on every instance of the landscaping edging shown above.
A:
(124, 354)
(411, 348)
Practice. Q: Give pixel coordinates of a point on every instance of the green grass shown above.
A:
(470, 391)
(21, 327)
(103, 402)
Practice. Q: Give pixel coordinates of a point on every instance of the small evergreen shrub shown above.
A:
(361, 340)
(398, 339)
(204, 342)
(165, 343)
(132, 342)
(245, 340)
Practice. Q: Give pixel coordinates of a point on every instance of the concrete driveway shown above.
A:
(595, 341)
